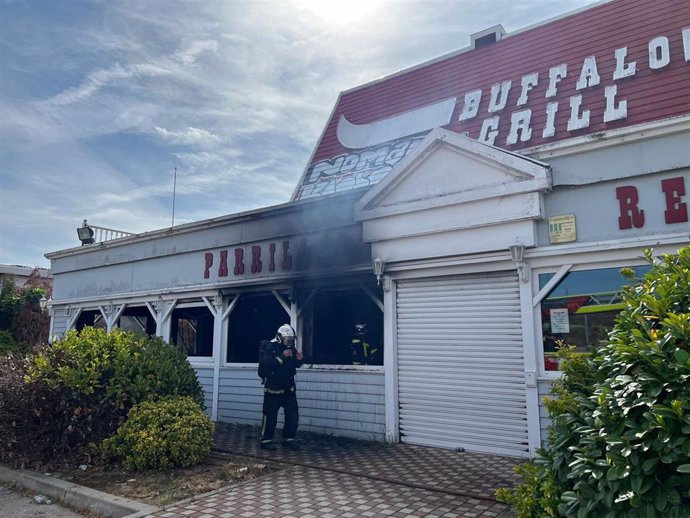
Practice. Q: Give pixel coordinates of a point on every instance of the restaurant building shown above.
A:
(495, 192)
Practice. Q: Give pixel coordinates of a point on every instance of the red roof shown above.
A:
(651, 95)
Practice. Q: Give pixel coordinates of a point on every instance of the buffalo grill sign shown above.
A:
(503, 123)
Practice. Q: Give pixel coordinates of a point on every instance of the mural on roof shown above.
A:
(614, 65)
(355, 169)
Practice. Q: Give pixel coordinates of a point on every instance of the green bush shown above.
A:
(171, 432)
(539, 495)
(10, 305)
(619, 445)
(120, 366)
(9, 345)
(89, 381)
(32, 416)
(545, 480)
(21, 315)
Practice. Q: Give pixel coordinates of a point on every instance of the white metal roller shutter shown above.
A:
(460, 363)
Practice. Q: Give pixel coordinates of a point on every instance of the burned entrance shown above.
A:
(255, 317)
(342, 324)
(132, 318)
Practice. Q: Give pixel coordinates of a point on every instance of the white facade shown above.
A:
(464, 366)
(448, 216)
(466, 327)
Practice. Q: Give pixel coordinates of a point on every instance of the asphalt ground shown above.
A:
(16, 504)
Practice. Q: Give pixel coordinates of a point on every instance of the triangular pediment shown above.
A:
(447, 168)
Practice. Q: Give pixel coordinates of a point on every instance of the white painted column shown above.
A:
(72, 320)
(111, 313)
(165, 325)
(51, 313)
(161, 314)
(529, 350)
(215, 305)
(294, 322)
(390, 360)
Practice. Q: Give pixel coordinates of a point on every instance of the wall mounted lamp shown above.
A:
(43, 302)
(379, 265)
(517, 254)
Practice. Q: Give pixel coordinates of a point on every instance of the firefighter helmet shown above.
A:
(286, 334)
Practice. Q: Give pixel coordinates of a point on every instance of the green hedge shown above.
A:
(172, 432)
(88, 382)
(9, 345)
(619, 445)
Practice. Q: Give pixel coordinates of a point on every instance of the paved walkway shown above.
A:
(334, 477)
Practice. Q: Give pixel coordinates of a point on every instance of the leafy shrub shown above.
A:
(10, 305)
(619, 445)
(90, 381)
(171, 432)
(21, 315)
(32, 326)
(539, 495)
(31, 415)
(545, 480)
(120, 366)
(9, 345)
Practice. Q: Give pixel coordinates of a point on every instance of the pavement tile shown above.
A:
(332, 477)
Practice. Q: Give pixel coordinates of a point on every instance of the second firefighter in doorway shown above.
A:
(278, 363)
(363, 353)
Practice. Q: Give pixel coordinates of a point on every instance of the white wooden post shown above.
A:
(529, 349)
(216, 306)
(73, 319)
(390, 360)
(162, 318)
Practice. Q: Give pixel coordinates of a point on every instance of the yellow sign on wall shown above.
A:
(562, 229)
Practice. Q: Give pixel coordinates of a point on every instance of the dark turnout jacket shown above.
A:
(281, 370)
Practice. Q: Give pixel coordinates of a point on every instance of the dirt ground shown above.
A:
(163, 488)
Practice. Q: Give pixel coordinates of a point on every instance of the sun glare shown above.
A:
(339, 12)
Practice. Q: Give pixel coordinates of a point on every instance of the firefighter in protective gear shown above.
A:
(362, 351)
(282, 359)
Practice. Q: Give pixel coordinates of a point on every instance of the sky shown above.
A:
(101, 101)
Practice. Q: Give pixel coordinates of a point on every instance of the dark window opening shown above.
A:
(335, 315)
(485, 41)
(90, 318)
(581, 309)
(256, 317)
(192, 331)
(137, 319)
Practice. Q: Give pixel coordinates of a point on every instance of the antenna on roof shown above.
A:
(172, 223)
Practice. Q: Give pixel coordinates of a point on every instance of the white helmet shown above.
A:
(286, 331)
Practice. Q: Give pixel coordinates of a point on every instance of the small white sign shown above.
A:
(560, 323)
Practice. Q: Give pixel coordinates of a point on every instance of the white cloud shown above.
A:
(99, 79)
(102, 100)
(187, 137)
(191, 53)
